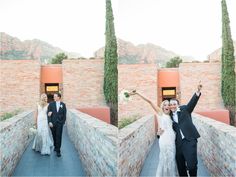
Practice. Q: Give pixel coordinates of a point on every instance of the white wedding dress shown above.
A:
(43, 140)
(166, 162)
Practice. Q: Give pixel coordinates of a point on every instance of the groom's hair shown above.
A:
(58, 94)
(174, 99)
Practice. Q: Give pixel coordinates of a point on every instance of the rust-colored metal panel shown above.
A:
(51, 74)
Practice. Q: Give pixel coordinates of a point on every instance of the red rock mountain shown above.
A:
(12, 48)
(216, 55)
(142, 53)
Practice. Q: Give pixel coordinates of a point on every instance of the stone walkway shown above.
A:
(150, 164)
(34, 164)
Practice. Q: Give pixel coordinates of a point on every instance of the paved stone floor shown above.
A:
(150, 164)
(34, 164)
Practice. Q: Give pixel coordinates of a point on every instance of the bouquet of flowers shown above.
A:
(32, 131)
(125, 96)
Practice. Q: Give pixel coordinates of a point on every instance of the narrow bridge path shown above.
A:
(34, 164)
(151, 162)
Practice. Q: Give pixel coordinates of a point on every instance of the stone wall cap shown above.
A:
(8, 122)
(200, 63)
(167, 69)
(18, 61)
(109, 131)
(127, 131)
(83, 60)
(51, 65)
(137, 64)
(220, 126)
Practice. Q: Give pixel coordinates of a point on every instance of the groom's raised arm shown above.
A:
(193, 102)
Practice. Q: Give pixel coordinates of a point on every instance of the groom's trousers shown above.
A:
(186, 157)
(57, 136)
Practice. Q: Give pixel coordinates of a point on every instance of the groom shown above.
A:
(186, 135)
(56, 120)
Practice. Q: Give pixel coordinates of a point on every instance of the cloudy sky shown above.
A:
(187, 27)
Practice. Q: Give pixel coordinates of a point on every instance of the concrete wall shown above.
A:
(216, 146)
(96, 142)
(20, 84)
(135, 142)
(14, 138)
(143, 78)
(83, 83)
(209, 74)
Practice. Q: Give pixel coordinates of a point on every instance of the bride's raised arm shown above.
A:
(156, 108)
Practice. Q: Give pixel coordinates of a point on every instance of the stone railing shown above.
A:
(14, 138)
(216, 146)
(96, 142)
(135, 141)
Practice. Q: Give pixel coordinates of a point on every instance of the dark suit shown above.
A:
(186, 148)
(58, 119)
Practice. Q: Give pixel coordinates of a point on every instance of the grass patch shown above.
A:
(127, 120)
(8, 115)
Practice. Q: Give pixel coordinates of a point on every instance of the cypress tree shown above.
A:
(228, 65)
(110, 86)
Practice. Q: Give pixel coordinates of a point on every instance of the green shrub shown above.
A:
(174, 62)
(59, 58)
(127, 120)
(8, 115)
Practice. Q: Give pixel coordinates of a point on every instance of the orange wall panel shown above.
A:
(51, 74)
(219, 115)
(101, 113)
(168, 77)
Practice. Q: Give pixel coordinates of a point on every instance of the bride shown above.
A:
(166, 165)
(43, 140)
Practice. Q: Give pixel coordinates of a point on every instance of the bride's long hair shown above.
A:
(43, 100)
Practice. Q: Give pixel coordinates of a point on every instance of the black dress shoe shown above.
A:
(58, 154)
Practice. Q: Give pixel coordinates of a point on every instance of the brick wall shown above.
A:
(96, 142)
(83, 83)
(135, 142)
(143, 78)
(14, 138)
(209, 74)
(20, 84)
(216, 145)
